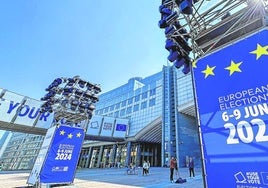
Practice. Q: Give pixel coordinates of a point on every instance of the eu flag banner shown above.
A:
(231, 94)
(61, 161)
(121, 127)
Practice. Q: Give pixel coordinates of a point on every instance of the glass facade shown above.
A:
(21, 151)
(140, 100)
(157, 130)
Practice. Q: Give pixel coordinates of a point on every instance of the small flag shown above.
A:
(121, 127)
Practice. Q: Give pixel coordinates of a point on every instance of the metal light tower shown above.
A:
(72, 100)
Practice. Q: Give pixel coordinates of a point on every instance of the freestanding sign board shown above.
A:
(231, 88)
(39, 162)
(62, 149)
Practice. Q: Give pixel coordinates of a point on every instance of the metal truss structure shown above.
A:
(214, 24)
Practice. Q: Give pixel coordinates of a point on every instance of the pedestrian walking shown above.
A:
(145, 168)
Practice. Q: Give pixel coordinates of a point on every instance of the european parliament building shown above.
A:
(160, 115)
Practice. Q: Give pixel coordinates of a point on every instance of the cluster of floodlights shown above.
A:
(177, 36)
(71, 96)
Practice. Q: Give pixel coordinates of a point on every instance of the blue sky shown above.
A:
(103, 41)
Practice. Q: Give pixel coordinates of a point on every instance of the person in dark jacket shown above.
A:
(191, 166)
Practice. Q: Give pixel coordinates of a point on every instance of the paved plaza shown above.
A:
(112, 178)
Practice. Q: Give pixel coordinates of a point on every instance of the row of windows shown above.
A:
(184, 90)
(129, 101)
(141, 119)
(131, 109)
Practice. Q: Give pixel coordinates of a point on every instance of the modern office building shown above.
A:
(161, 123)
(161, 114)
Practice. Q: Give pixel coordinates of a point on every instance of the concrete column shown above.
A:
(100, 156)
(128, 153)
(113, 156)
(138, 161)
(80, 163)
(155, 150)
(89, 156)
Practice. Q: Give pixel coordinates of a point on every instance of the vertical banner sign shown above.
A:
(58, 157)
(60, 164)
(232, 94)
(39, 162)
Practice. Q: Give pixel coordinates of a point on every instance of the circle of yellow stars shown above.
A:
(70, 135)
(234, 66)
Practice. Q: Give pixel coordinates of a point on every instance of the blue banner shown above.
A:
(231, 92)
(121, 127)
(61, 161)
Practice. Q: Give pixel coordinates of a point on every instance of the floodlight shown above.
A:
(164, 10)
(97, 88)
(179, 62)
(74, 104)
(81, 83)
(67, 91)
(186, 68)
(169, 31)
(48, 95)
(173, 55)
(88, 94)
(89, 106)
(55, 83)
(186, 6)
(70, 82)
(171, 44)
(162, 24)
(78, 93)
(64, 102)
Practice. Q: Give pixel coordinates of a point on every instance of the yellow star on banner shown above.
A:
(78, 135)
(208, 71)
(194, 64)
(70, 135)
(261, 50)
(234, 67)
(62, 132)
